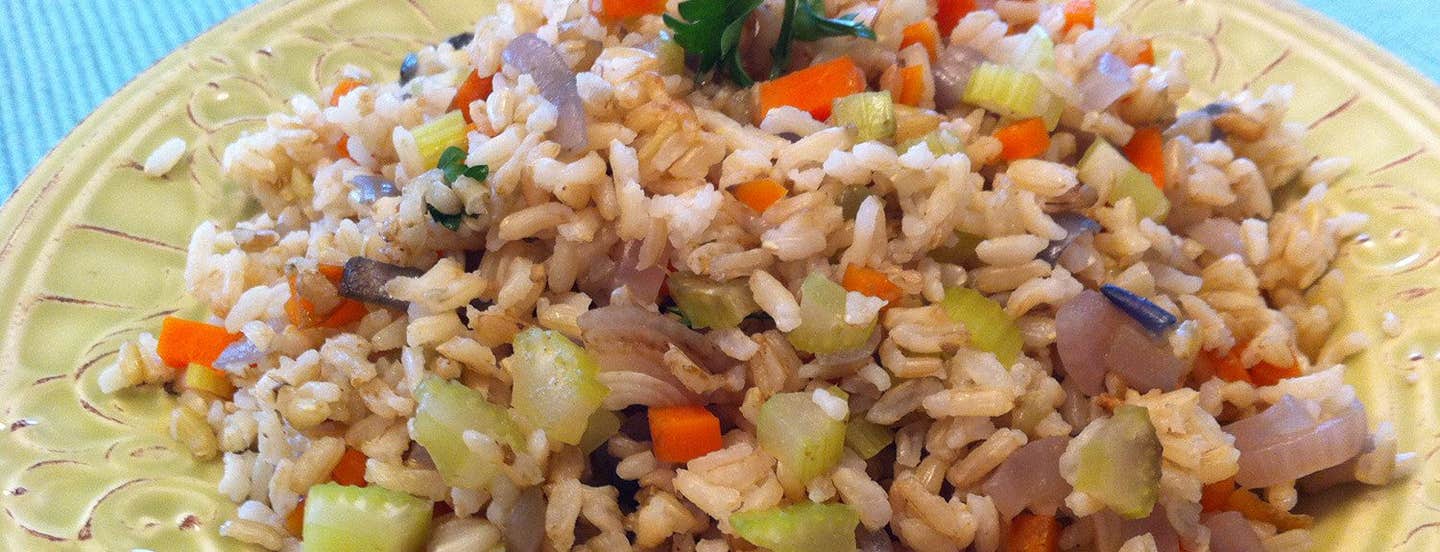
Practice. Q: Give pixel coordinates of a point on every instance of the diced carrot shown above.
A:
(474, 88)
(332, 272)
(950, 13)
(759, 194)
(812, 89)
(1079, 12)
(351, 469)
(924, 33)
(295, 520)
(1266, 374)
(1147, 54)
(348, 312)
(184, 341)
(342, 88)
(1227, 367)
(1214, 496)
(1253, 508)
(624, 9)
(912, 85)
(298, 310)
(683, 433)
(1146, 151)
(1033, 533)
(343, 146)
(1023, 139)
(870, 282)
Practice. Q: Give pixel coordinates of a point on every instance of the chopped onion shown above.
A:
(1282, 419)
(1230, 532)
(952, 72)
(1083, 327)
(1143, 361)
(1075, 225)
(525, 530)
(1111, 531)
(364, 280)
(1108, 82)
(630, 340)
(237, 355)
(1030, 478)
(1290, 457)
(1220, 236)
(531, 54)
(644, 283)
(369, 188)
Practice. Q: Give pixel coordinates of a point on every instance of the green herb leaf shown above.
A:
(478, 172)
(811, 23)
(445, 219)
(710, 31)
(451, 156)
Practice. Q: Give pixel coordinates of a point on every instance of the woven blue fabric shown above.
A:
(61, 58)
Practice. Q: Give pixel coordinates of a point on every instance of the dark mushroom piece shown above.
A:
(364, 280)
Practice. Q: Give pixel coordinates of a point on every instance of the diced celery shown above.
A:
(710, 304)
(556, 385)
(962, 252)
(442, 132)
(804, 527)
(1036, 50)
(991, 329)
(209, 380)
(603, 425)
(867, 438)
(1119, 462)
(913, 123)
(822, 319)
(1012, 93)
(1104, 168)
(371, 519)
(851, 198)
(1150, 201)
(446, 410)
(870, 114)
(801, 436)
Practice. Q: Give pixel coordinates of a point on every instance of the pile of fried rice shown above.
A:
(593, 210)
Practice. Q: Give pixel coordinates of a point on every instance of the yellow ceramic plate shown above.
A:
(91, 251)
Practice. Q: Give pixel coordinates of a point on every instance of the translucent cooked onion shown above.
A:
(1106, 83)
(1144, 361)
(525, 531)
(237, 355)
(531, 54)
(369, 188)
(644, 284)
(1083, 327)
(1289, 457)
(1282, 419)
(952, 72)
(1229, 532)
(1030, 478)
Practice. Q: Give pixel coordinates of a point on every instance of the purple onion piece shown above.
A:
(369, 188)
(1328, 444)
(1144, 361)
(1084, 327)
(364, 280)
(1075, 225)
(952, 72)
(525, 530)
(1220, 236)
(1030, 479)
(237, 355)
(1148, 314)
(1107, 83)
(531, 54)
(1286, 417)
(1229, 532)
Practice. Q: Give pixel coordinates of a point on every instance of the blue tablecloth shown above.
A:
(61, 58)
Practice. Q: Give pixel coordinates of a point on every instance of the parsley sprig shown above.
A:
(452, 165)
(710, 31)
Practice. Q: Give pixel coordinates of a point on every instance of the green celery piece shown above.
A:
(446, 410)
(1104, 168)
(867, 438)
(991, 329)
(556, 385)
(603, 425)
(822, 319)
(870, 114)
(710, 304)
(940, 142)
(434, 137)
(364, 519)
(962, 252)
(806, 441)
(1038, 52)
(1012, 93)
(804, 527)
(1119, 463)
(851, 198)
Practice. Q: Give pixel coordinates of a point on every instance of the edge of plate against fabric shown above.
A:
(85, 266)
